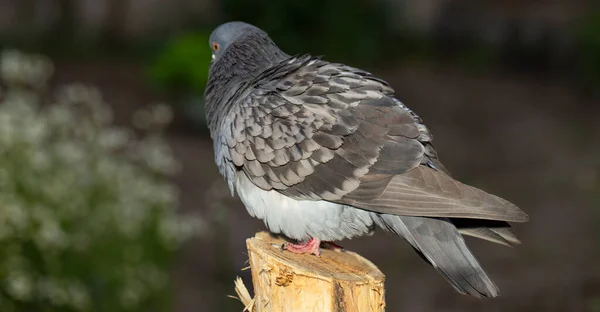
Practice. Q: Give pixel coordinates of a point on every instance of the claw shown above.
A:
(310, 247)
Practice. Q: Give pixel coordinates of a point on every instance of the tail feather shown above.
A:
(486, 234)
(495, 231)
(507, 234)
(439, 241)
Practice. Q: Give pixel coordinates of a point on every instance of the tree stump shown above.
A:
(336, 281)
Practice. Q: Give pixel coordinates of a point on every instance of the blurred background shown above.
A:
(110, 199)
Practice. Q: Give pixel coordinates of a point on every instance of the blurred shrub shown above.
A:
(182, 66)
(342, 30)
(181, 71)
(87, 212)
(588, 38)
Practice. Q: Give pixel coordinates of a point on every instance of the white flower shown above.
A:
(68, 185)
(162, 114)
(78, 295)
(70, 152)
(19, 285)
(39, 160)
(11, 65)
(7, 131)
(18, 68)
(13, 216)
(60, 115)
(157, 155)
(53, 290)
(113, 138)
(132, 294)
(51, 235)
(34, 132)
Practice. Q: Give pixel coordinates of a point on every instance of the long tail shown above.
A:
(440, 243)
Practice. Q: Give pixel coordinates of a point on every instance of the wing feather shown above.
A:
(315, 130)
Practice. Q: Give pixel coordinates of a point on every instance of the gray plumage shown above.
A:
(324, 150)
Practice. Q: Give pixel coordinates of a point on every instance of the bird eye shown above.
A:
(215, 46)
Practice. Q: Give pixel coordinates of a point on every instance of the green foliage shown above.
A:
(594, 305)
(87, 211)
(588, 39)
(183, 64)
(342, 30)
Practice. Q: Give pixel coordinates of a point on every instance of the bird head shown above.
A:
(230, 33)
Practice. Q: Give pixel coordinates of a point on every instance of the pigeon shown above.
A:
(322, 152)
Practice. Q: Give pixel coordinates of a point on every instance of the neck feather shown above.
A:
(240, 63)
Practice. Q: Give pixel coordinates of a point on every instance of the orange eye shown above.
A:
(215, 46)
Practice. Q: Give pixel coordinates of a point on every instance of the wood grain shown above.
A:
(336, 281)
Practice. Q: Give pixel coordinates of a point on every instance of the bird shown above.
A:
(322, 151)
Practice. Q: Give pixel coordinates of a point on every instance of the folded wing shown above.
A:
(314, 130)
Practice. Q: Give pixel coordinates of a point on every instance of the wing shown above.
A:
(314, 130)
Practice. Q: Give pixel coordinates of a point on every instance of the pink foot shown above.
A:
(310, 247)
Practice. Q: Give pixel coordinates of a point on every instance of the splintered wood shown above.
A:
(336, 281)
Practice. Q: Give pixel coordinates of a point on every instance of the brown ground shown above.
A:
(528, 141)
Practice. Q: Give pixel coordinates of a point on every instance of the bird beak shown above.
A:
(213, 56)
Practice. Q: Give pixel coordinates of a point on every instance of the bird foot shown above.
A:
(310, 247)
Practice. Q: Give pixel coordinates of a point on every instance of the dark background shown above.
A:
(510, 90)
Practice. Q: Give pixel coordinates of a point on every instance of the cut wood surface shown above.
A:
(336, 281)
